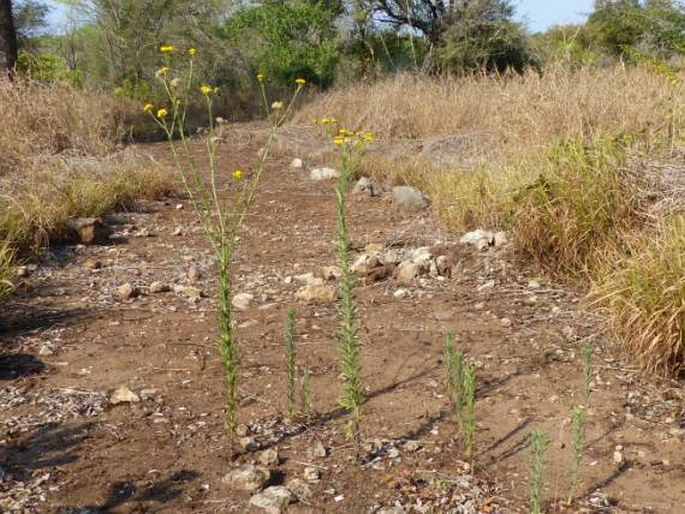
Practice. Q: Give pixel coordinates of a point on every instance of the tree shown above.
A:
(30, 19)
(8, 38)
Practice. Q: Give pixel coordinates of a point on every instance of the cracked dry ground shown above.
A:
(68, 342)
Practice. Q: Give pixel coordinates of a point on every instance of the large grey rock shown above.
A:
(273, 499)
(300, 489)
(409, 197)
(248, 478)
(318, 174)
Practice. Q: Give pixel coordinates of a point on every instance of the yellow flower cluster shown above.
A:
(325, 121)
(238, 174)
(208, 90)
(166, 49)
(353, 137)
(300, 82)
(260, 77)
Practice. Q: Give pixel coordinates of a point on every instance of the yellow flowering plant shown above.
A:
(221, 218)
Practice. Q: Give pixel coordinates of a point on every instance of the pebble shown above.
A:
(123, 395)
(317, 449)
(400, 293)
(269, 457)
(300, 489)
(318, 174)
(242, 301)
(159, 287)
(194, 274)
(127, 291)
(311, 474)
(313, 293)
(296, 163)
(45, 351)
(248, 443)
(409, 197)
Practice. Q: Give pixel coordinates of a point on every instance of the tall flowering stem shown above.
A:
(221, 218)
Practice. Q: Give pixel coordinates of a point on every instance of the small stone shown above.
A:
(147, 394)
(533, 284)
(482, 244)
(273, 499)
(407, 271)
(89, 231)
(500, 239)
(477, 238)
(317, 294)
(300, 489)
(317, 449)
(159, 287)
(311, 474)
(242, 301)
(193, 294)
(179, 206)
(318, 174)
(392, 256)
(194, 274)
(248, 478)
(618, 457)
(442, 265)
(22, 271)
(248, 443)
(269, 457)
(178, 231)
(393, 453)
(411, 446)
(127, 291)
(505, 322)
(296, 163)
(123, 395)
(93, 264)
(45, 351)
(487, 285)
(367, 186)
(409, 197)
(400, 293)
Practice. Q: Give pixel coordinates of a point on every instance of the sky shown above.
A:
(538, 15)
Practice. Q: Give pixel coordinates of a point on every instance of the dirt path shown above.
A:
(68, 341)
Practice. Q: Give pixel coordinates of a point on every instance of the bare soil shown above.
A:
(68, 341)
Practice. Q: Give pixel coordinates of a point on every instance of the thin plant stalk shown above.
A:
(578, 419)
(539, 446)
(469, 418)
(290, 359)
(306, 407)
(220, 220)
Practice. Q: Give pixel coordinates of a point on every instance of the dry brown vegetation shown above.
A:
(61, 157)
(570, 161)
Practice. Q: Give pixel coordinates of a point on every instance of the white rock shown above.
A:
(475, 237)
(400, 293)
(318, 174)
(243, 301)
(45, 351)
(248, 478)
(330, 273)
(273, 500)
(296, 163)
(618, 457)
(123, 395)
(409, 197)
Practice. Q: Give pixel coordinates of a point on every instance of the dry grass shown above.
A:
(61, 157)
(644, 296)
(561, 160)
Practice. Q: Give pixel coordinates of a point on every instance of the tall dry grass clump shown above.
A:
(40, 119)
(644, 296)
(61, 157)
